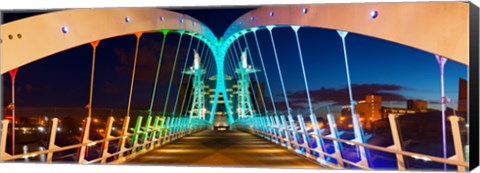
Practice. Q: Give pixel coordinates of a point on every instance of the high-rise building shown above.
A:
(369, 109)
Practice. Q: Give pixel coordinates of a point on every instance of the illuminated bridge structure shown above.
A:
(439, 28)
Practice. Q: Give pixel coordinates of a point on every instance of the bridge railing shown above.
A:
(294, 135)
(140, 140)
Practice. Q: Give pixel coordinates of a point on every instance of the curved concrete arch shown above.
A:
(36, 37)
(441, 28)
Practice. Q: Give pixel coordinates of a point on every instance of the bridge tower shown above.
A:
(198, 104)
(244, 108)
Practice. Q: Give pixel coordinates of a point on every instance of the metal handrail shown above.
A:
(278, 131)
(180, 129)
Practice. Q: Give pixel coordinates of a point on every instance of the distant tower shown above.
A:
(244, 108)
(198, 105)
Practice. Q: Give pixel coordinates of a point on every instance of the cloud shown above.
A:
(340, 96)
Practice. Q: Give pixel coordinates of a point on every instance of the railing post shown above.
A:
(3, 141)
(358, 131)
(264, 128)
(275, 130)
(171, 128)
(51, 142)
(294, 132)
(285, 127)
(306, 138)
(136, 130)
(260, 129)
(181, 127)
(318, 139)
(177, 128)
(161, 132)
(108, 131)
(397, 142)
(336, 145)
(280, 138)
(124, 134)
(154, 133)
(166, 130)
(146, 128)
(457, 141)
(85, 139)
(269, 127)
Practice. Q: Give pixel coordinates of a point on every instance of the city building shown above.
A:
(231, 88)
(371, 110)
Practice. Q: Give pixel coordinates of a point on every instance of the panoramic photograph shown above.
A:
(360, 86)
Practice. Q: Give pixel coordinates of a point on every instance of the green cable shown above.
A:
(158, 72)
(173, 72)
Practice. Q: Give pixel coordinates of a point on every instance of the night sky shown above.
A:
(395, 71)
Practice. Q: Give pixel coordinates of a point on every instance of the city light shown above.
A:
(59, 129)
(95, 120)
(92, 144)
(41, 129)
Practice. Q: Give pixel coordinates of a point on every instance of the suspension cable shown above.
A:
(172, 72)
(92, 75)
(138, 35)
(181, 79)
(265, 72)
(295, 29)
(255, 74)
(157, 73)
(270, 28)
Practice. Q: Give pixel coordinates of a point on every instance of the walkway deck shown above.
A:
(226, 149)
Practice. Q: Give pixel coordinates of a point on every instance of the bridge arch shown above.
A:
(30, 39)
(440, 28)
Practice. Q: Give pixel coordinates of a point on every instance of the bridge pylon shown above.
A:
(244, 108)
(198, 103)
